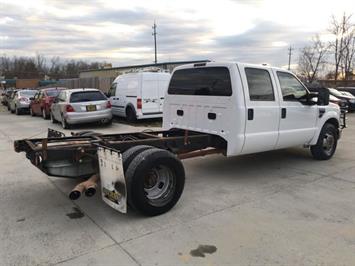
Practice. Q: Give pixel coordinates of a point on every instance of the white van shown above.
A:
(139, 95)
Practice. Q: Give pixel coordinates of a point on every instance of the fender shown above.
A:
(329, 114)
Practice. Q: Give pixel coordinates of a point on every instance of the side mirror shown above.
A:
(323, 97)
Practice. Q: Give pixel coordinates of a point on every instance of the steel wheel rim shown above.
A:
(159, 185)
(328, 143)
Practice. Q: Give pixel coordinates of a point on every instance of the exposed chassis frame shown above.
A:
(76, 156)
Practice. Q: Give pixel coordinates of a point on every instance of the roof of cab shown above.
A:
(228, 64)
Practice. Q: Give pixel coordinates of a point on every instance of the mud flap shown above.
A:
(113, 184)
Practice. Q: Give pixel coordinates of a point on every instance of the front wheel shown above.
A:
(155, 181)
(326, 144)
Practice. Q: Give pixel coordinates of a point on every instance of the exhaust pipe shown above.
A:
(89, 186)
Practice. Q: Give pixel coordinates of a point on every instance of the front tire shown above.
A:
(155, 180)
(326, 144)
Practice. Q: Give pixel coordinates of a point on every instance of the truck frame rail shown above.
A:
(76, 156)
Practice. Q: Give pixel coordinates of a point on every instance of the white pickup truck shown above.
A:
(210, 108)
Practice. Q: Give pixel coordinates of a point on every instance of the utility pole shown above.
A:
(155, 42)
(289, 57)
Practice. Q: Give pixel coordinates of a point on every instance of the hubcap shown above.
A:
(328, 143)
(159, 184)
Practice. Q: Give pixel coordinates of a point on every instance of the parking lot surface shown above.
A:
(274, 208)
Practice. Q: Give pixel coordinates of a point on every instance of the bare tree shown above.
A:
(340, 29)
(312, 59)
(349, 52)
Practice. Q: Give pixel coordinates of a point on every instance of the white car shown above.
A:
(139, 95)
(78, 106)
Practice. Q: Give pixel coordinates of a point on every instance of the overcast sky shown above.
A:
(119, 31)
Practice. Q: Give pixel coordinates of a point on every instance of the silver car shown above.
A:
(20, 101)
(78, 106)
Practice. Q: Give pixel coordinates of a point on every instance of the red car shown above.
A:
(42, 101)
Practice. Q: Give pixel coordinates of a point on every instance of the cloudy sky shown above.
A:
(119, 31)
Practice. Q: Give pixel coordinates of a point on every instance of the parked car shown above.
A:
(6, 97)
(42, 101)
(348, 89)
(78, 106)
(343, 103)
(139, 95)
(346, 93)
(10, 98)
(20, 101)
(350, 100)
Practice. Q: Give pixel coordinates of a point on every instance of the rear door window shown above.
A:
(208, 81)
(87, 96)
(259, 84)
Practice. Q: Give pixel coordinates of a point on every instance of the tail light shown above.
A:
(69, 108)
(139, 103)
(108, 105)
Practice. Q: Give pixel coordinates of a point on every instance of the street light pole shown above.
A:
(155, 42)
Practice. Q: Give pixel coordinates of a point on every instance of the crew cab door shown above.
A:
(262, 109)
(298, 121)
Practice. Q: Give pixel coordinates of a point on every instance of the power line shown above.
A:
(155, 42)
(289, 57)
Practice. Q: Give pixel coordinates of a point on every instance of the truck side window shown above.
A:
(291, 88)
(112, 91)
(206, 81)
(259, 84)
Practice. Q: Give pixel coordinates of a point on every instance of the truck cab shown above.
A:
(255, 108)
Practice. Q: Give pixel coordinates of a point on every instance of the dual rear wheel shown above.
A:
(155, 179)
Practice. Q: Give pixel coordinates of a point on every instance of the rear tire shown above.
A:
(131, 114)
(31, 112)
(131, 153)
(155, 180)
(44, 114)
(64, 123)
(17, 111)
(52, 118)
(326, 144)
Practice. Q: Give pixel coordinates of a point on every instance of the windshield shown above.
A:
(335, 92)
(211, 81)
(27, 93)
(87, 96)
(52, 93)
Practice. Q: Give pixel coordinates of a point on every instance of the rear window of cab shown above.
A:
(207, 81)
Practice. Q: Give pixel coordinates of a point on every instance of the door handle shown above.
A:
(283, 113)
(250, 114)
